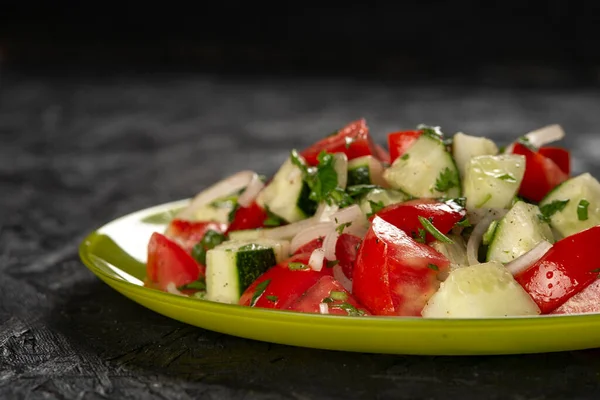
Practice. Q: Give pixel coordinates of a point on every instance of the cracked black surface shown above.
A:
(76, 152)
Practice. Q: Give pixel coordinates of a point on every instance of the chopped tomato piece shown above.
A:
(353, 140)
(251, 217)
(187, 233)
(406, 216)
(310, 246)
(586, 301)
(399, 142)
(346, 249)
(541, 174)
(168, 263)
(328, 291)
(565, 270)
(287, 281)
(560, 156)
(393, 274)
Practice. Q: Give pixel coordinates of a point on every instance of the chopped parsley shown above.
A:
(420, 236)
(447, 180)
(595, 270)
(349, 308)
(196, 285)
(272, 298)
(322, 180)
(376, 206)
(332, 263)
(225, 202)
(582, 210)
(258, 291)
(297, 266)
(433, 267)
(548, 210)
(348, 141)
(458, 202)
(405, 157)
(340, 228)
(210, 240)
(508, 178)
(524, 141)
(464, 223)
(272, 219)
(429, 227)
(355, 191)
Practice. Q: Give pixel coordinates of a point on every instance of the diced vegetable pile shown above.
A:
(434, 226)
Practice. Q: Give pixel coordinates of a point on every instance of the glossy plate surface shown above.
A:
(116, 253)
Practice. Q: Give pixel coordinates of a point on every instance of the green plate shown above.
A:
(116, 253)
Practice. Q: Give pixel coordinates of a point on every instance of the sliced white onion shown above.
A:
(376, 172)
(476, 215)
(171, 288)
(287, 232)
(251, 191)
(220, 189)
(315, 262)
(340, 163)
(545, 135)
(476, 238)
(525, 261)
(324, 308)
(329, 244)
(354, 216)
(325, 211)
(307, 235)
(338, 275)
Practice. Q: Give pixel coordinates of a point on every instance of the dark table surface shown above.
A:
(78, 151)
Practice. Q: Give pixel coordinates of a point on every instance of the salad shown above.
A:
(434, 226)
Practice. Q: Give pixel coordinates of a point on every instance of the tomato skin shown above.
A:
(309, 302)
(310, 246)
(541, 174)
(353, 140)
(399, 142)
(286, 284)
(392, 274)
(560, 156)
(406, 215)
(565, 270)
(169, 263)
(251, 217)
(188, 233)
(346, 250)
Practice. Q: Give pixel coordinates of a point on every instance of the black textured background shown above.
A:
(97, 121)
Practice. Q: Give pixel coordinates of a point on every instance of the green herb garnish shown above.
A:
(210, 240)
(376, 206)
(433, 267)
(272, 219)
(429, 227)
(355, 191)
(196, 285)
(297, 266)
(332, 263)
(349, 308)
(338, 295)
(548, 210)
(507, 177)
(447, 180)
(258, 291)
(272, 298)
(582, 210)
(420, 236)
(405, 157)
(340, 228)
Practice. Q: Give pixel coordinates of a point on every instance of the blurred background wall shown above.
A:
(511, 42)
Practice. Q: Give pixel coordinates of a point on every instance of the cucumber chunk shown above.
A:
(233, 265)
(287, 194)
(380, 198)
(359, 171)
(465, 147)
(583, 208)
(480, 291)
(426, 170)
(493, 181)
(519, 231)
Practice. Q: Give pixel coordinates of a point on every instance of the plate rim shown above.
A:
(85, 250)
